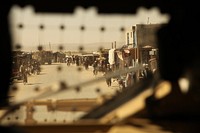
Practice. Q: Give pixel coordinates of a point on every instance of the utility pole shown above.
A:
(148, 20)
(49, 46)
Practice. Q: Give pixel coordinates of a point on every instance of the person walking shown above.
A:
(24, 72)
(95, 70)
(108, 72)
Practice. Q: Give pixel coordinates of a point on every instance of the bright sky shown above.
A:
(71, 38)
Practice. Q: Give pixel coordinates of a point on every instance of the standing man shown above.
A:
(24, 72)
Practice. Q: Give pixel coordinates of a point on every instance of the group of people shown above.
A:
(125, 80)
(28, 68)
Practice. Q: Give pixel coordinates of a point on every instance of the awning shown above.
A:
(126, 50)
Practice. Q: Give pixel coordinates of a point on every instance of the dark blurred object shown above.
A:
(11, 129)
(5, 53)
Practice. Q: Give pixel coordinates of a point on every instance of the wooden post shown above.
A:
(29, 114)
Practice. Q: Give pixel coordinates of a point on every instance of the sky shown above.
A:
(51, 37)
